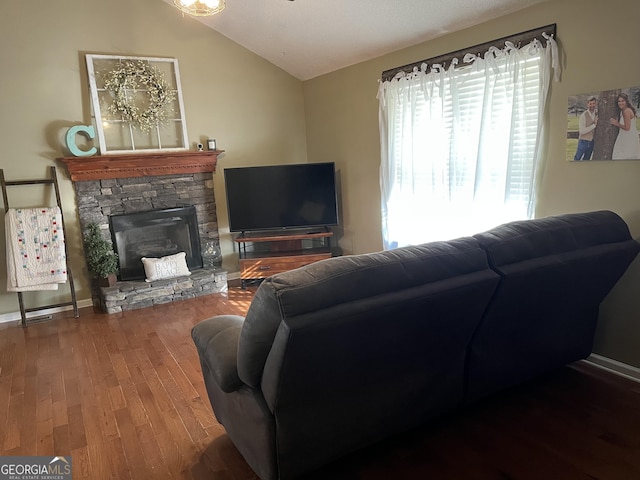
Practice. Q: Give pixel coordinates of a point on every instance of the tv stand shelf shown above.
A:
(263, 254)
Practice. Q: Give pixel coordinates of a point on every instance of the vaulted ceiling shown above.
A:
(308, 38)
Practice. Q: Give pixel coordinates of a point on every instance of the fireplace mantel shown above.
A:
(140, 164)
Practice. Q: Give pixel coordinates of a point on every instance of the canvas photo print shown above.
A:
(604, 125)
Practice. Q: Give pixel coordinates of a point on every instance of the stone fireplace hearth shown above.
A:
(117, 185)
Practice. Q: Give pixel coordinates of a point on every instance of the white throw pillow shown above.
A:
(166, 267)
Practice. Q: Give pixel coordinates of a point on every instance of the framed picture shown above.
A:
(136, 104)
(604, 125)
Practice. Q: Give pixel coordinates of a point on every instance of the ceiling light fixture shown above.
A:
(200, 8)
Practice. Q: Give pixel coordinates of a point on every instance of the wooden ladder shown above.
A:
(53, 180)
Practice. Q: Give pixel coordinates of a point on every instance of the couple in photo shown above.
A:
(627, 144)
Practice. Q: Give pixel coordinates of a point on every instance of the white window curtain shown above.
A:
(460, 146)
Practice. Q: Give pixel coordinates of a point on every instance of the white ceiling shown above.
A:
(308, 38)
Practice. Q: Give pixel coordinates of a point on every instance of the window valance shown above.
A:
(444, 61)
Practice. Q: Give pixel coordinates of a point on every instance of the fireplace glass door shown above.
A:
(155, 233)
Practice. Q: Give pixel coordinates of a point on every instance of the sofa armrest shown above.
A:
(216, 340)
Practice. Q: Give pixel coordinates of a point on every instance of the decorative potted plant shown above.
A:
(102, 261)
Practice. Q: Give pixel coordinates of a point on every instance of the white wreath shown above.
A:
(126, 82)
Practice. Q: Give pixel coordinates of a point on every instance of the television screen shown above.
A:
(281, 196)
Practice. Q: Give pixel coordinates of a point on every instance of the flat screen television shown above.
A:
(281, 196)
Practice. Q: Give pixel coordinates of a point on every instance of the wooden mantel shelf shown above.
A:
(153, 164)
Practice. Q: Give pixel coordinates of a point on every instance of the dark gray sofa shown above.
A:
(339, 354)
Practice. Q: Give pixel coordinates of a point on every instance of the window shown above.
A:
(136, 103)
(460, 146)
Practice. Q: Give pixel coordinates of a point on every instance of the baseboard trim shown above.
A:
(15, 316)
(619, 368)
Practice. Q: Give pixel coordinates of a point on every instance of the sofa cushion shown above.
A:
(340, 280)
(554, 273)
(332, 282)
(527, 239)
(371, 366)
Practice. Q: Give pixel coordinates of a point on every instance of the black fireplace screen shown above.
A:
(155, 233)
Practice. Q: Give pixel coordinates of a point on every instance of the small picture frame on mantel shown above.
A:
(136, 104)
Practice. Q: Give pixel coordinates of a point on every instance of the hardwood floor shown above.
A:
(123, 395)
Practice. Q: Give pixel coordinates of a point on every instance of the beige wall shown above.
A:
(597, 41)
(253, 109)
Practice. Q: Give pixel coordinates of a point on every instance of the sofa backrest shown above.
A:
(555, 272)
(380, 335)
(342, 280)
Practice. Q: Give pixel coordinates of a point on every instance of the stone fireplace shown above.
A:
(120, 188)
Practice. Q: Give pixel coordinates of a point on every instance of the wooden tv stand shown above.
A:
(263, 254)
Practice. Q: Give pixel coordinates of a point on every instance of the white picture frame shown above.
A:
(117, 135)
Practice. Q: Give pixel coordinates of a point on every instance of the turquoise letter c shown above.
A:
(89, 131)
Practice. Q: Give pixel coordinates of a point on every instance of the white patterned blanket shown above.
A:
(36, 257)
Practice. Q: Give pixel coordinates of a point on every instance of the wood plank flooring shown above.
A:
(123, 395)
